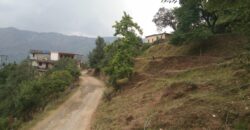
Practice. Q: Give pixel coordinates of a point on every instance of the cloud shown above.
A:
(82, 17)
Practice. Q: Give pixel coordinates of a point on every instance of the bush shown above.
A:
(3, 124)
(24, 92)
(145, 46)
(67, 64)
(28, 99)
(58, 80)
(121, 66)
(108, 94)
(198, 34)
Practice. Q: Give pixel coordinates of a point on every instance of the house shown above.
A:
(158, 37)
(44, 60)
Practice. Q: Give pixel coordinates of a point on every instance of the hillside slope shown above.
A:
(17, 43)
(196, 86)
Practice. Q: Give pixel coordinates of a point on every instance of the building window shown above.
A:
(40, 63)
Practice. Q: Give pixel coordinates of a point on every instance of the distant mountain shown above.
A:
(17, 43)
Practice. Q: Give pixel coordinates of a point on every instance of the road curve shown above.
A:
(77, 111)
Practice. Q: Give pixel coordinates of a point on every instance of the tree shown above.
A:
(119, 55)
(126, 27)
(120, 66)
(234, 14)
(223, 16)
(193, 19)
(97, 55)
(128, 30)
(194, 13)
(165, 17)
(24, 91)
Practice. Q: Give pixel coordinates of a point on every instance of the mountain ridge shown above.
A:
(16, 43)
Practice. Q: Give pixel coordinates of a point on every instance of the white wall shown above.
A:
(39, 56)
(154, 38)
(34, 63)
(31, 56)
(54, 56)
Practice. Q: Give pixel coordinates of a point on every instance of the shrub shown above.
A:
(3, 124)
(24, 92)
(145, 46)
(197, 34)
(67, 64)
(28, 99)
(58, 80)
(108, 94)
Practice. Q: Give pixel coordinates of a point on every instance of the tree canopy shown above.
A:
(126, 26)
(165, 17)
(199, 19)
(119, 55)
(97, 55)
(24, 91)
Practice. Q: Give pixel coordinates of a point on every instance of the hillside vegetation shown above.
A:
(203, 85)
(25, 92)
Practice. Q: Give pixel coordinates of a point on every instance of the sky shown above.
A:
(78, 17)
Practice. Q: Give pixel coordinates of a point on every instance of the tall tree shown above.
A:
(234, 14)
(97, 55)
(129, 33)
(195, 20)
(121, 51)
(219, 16)
(164, 18)
(126, 26)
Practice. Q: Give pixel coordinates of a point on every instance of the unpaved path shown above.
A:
(76, 112)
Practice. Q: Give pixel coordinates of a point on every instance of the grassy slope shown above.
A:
(188, 87)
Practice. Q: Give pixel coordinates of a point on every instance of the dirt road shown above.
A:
(76, 112)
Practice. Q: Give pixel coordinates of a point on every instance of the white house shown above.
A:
(158, 37)
(44, 60)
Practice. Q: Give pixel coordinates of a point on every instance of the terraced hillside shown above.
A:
(195, 86)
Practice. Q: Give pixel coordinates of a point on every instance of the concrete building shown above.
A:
(44, 60)
(158, 37)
